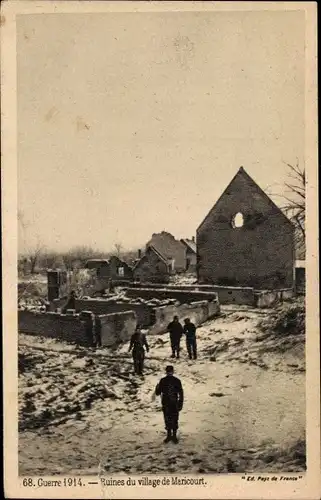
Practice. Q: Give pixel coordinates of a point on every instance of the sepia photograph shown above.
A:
(162, 186)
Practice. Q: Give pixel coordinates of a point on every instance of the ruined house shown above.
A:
(152, 267)
(190, 245)
(246, 240)
(114, 268)
(171, 249)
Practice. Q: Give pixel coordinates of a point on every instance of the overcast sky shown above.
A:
(133, 123)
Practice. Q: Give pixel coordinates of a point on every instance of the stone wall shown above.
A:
(117, 328)
(70, 328)
(183, 296)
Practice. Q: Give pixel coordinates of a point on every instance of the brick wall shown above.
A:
(260, 254)
(49, 324)
(117, 328)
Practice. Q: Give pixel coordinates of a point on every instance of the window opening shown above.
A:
(238, 220)
(121, 271)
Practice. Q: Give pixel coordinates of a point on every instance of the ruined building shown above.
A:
(190, 253)
(171, 249)
(246, 240)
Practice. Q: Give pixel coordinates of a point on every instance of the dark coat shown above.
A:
(138, 343)
(175, 329)
(171, 390)
(190, 331)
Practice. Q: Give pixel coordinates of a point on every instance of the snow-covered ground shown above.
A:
(82, 411)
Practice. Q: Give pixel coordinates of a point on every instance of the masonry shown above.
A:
(67, 327)
(183, 296)
(144, 313)
(245, 240)
(115, 321)
(225, 294)
(116, 328)
(156, 319)
(75, 328)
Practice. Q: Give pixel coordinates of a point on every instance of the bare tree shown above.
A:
(291, 200)
(118, 248)
(294, 198)
(34, 256)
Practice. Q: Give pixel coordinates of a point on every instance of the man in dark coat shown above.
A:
(175, 330)
(190, 333)
(171, 391)
(138, 344)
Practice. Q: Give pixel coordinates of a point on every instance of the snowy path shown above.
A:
(238, 409)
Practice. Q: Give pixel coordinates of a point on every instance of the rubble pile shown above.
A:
(32, 296)
(55, 386)
(287, 319)
(36, 305)
(183, 279)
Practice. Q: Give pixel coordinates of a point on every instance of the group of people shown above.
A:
(170, 387)
(139, 345)
(176, 332)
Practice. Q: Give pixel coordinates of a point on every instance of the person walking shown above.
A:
(171, 391)
(138, 344)
(190, 333)
(175, 330)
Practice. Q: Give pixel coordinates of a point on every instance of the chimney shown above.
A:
(139, 253)
(193, 239)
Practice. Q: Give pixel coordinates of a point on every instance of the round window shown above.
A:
(238, 220)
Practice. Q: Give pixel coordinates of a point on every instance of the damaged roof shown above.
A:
(94, 263)
(190, 244)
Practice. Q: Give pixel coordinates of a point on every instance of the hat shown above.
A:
(169, 369)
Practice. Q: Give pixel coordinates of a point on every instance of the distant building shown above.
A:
(190, 254)
(246, 240)
(153, 267)
(113, 268)
(171, 249)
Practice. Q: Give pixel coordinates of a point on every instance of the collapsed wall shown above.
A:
(81, 329)
(67, 327)
(116, 328)
(156, 319)
(115, 318)
(198, 312)
(270, 298)
(144, 313)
